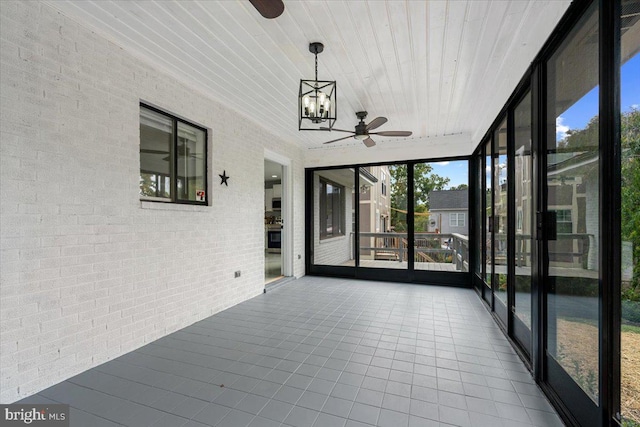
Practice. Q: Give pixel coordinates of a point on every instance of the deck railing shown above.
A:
(451, 248)
(573, 250)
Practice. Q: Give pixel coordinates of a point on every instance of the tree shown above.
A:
(586, 140)
(424, 182)
(460, 187)
(630, 192)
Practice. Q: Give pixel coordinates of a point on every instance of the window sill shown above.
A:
(160, 206)
(332, 239)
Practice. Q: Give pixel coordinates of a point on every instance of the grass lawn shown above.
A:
(578, 354)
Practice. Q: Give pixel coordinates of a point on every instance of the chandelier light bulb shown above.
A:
(306, 101)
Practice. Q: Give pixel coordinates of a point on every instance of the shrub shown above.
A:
(631, 312)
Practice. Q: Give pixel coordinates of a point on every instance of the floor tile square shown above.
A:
(396, 403)
(370, 397)
(276, 410)
(328, 420)
(312, 400)
(236, 418)
(301, 417)
(252, 404)
(364, 413)
(230, 398)
(212, 414)
(390, 418)
(345, 391)
(337, 406)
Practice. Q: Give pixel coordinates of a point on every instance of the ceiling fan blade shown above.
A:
(336, 140)
(337, 130)
(375, 123)
(268, 8)
(369, 142)
(393, 133)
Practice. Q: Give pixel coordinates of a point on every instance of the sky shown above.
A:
(456, 171)
(579, 114)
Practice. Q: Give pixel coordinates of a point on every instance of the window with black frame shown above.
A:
(173, 159)
(332, 213)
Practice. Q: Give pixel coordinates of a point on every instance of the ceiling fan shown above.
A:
(363, 131)
(268, 8)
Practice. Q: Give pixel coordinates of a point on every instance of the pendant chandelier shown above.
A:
(316, 99)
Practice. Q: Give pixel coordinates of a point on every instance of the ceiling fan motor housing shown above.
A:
(361, 128)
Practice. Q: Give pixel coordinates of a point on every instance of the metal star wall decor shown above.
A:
(224, 178)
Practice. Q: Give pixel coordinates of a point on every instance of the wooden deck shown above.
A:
(425, 266)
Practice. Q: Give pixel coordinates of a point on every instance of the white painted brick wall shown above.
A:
(88, 272)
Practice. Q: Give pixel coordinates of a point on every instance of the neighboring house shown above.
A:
(375, 206)
(449, 211)
(375, 201)
(334, 211)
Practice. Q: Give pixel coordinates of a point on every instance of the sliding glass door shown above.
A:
(571, 242)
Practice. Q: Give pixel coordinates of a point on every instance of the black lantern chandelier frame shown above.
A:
(317, 99)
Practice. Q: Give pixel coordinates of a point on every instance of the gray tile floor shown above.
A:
(319, 352)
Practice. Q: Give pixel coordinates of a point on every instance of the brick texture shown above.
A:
(88, 271)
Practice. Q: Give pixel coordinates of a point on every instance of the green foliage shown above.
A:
(580, 140)
(459, 187)
(631, 312)
(627, 422)
(586, 140)
(424, 182)
(630, 227)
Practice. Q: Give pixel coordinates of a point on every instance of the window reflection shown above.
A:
(630, 225)
(573, 205)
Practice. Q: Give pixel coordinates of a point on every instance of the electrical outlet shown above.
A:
(237, 274)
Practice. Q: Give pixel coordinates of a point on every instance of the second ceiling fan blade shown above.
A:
(393, 133)
(337, 130)
(369, 142)
(336, 140)
(268, 8)
(376, 123)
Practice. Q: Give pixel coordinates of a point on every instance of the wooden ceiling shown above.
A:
(436, 68)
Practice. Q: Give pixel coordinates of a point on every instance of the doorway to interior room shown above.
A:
(273, 221)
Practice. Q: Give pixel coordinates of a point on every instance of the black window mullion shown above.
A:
(174, 163)
(411, 234)
(511, 214)
(356, 231)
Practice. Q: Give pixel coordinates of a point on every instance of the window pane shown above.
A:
(156, 136)
(441, 191)
(630, 136)
(478, 214)
(383, 219)
(333, 217)
(500, 211)
(573, 195)
(488, 201)
(524, 209)
(192, 164)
